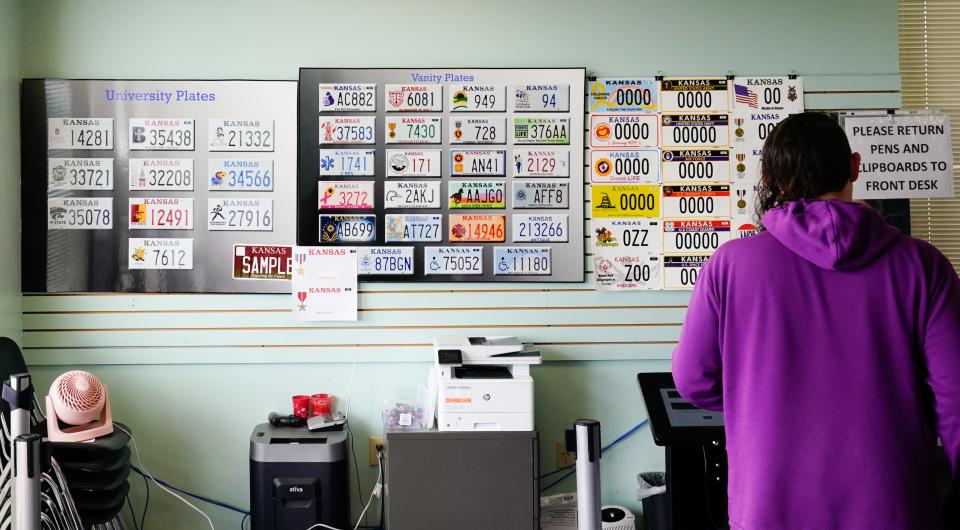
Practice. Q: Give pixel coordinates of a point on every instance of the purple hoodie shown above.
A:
(832, 345)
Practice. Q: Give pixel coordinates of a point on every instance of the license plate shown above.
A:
(161, 174)
(540, 228)
(348, 97)
(247, 215)
(633, 235)
(240, 135)
(411, 194)
(541, 131)
(695, 130)
(477, 162)
(161, 134)
(336, 130)
(777, 94)
(546, 97)
(80, 133)
(412, 130)
(401, 163)
(478, 228)
(464, 130)
(704, 200)
(694, 95)
(743, 197)
(703, 236)
(624, 95)
(751, 128)
(521, 260)
(347, 162)
(159, 253)
(384, 260)
(623, 130)
(240, 174)
(541, 194)
(641, 166)
(627, 271)
(414, 98)
(696, 165)
(640, 200)
(79, 214)
(476, 194)
(541, 163)
(410, 228)
(453, 260)
(745, 163)
(262, 262)
(69, 174)
(347, 228)
(680, 272)
(345, 194)
(161, 213)
(744, 228)
(478, 98)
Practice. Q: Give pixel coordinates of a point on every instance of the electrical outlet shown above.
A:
(374, 442)
(565, 458)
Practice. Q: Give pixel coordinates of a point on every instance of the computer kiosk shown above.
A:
(696, 459)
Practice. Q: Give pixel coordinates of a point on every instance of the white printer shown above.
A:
(484, 383)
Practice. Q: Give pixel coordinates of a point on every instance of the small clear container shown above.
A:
(403, 415)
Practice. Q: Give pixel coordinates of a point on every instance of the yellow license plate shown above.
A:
(625, 201)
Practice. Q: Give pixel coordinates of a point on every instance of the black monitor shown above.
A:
(673, 419)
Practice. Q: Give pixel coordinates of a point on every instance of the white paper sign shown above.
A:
(324, 285)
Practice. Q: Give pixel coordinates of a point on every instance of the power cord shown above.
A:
(377, 490)
(609, 446)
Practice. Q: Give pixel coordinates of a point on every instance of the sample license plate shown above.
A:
(262, 262)
(161, 213)
(345, 194)
(694, 95)
(79, 213)
(477, 228)
(540, 228)
(80, 133)
(545, 97)
(414, 98)
(751, 128)
(347, 162)
(623, 130)
(161, 134)
(479, 98)
(411, 194)
(624, 270)
(161, 174)
(347, 130)
(405, 228)
(477, 162)
(541, 194)
(240, 135)
(412, 130)
(248, 215)
(476, 194)
(159, 253)
(347, 228)
(634, 235)
(696, 165)
(466, 130)
(384, 260)
(641, 200)
(541, 131)
(453, 260)
(348, 97)
(244, 174)
(403, 163)
(541, 163)
(639, 166)
(69, 174)
(624, 95)
(703, 236)
(703, 200)
(695, 130)
(680, 272)
(521, 260)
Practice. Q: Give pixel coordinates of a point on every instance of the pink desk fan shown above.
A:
(79, 400)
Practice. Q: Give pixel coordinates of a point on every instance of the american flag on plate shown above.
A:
(745, 96)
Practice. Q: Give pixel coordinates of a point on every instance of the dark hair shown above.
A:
(804, 157)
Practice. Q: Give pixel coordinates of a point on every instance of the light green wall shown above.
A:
(10, 24)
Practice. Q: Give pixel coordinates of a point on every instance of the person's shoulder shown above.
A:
(744, 248)
(928, 254)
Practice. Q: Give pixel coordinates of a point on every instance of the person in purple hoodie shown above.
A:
(831, 343)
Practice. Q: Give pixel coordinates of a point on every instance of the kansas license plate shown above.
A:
(541, 131)
(680, 272)
(411, 194)
(541, 194)
(701, 200)
(541, 163)
(347, 162)
(696, 165)
(633, 235)
(70, 174)
(542, 97)
(478, 98)
(466, 130)
(476, 194)
(161, 213)
(453, 260)
(240, 174)
(240, 135)
(477, 228)
(405, 228)
(347, 228)
(624, 95)
(623, 130)
(161, 134)
(80, 133)
(636, 166)
(413, 98)
(521, 261)
(345, 194)
(161, 174)
(694, 95)
(79, 213)
(695, 130)
(412, 130)
(624, 270)
(540, 228)
(405, 163)
(477, 162)
(160, 253)
(348, 97)
(701, 236)
(262, 262)
(751, 128)
(336, 130)
(640, 200)
(247, 215)
(384, 260)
